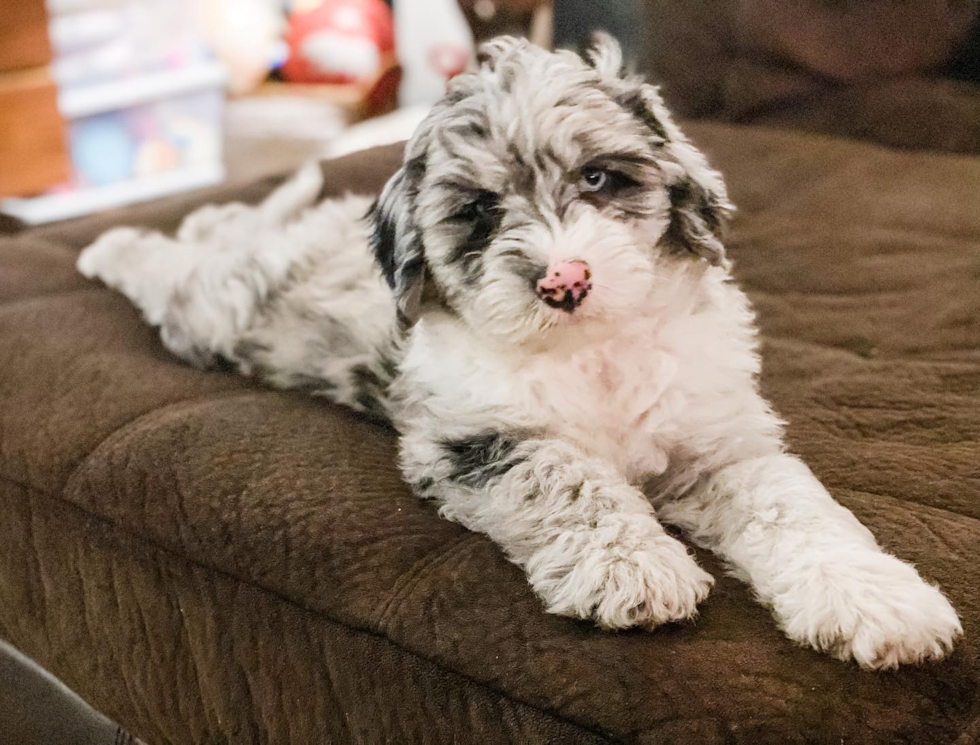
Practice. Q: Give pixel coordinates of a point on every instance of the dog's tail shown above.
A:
(294, 196)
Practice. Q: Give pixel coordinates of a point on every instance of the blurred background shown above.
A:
(106, 102)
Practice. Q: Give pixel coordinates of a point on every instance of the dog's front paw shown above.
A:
(618, 587)
(870, 608)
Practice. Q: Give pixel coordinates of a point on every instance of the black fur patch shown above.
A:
(403, 320)
(633, 102)
(695, 220)
(479, 459)
(680, 192)
(385, 229)
(370, 390)
(220, 363)
(390, 367)
(365, 377)
(246, 350)
(371, 405)
(483, 218)
(677, 233)
(383, 235)
(476, 130)
(585, 50)
(411, 270)
(311, 384)
(454, 97)
(423, 486)
(687, 195)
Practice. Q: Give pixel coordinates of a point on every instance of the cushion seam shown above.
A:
(138, 419)
(405, 584)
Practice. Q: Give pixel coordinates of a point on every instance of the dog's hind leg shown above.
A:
(149, 267)
(203, 286)
(226, 222)
(144, 266)
(286, 294)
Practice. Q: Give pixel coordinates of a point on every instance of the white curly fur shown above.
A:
(555, 431)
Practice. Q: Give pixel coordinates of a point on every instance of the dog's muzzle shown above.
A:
(566, 285)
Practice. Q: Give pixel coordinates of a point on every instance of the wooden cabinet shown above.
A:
(23, 35)
(33, 152)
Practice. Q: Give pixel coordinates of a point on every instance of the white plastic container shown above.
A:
(99, 41)
(434, 42)
(133, 140)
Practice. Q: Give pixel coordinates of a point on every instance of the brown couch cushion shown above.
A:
(208, 561)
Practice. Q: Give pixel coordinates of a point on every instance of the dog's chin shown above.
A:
(545, 329)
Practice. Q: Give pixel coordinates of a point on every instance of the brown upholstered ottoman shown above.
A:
(207, 561)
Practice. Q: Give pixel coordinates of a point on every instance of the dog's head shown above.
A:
(546, 191)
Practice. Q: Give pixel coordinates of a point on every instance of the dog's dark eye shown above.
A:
(481, 216)
(595, 180)
(482, 209)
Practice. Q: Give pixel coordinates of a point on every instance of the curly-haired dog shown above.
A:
(549, 322)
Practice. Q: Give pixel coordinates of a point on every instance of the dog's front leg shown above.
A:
(589, 542)
(829, 584)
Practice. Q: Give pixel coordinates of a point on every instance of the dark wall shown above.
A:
(575, 20)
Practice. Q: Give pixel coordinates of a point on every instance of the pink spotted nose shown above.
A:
(566, 284)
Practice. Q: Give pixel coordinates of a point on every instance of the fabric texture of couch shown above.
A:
(207, 561)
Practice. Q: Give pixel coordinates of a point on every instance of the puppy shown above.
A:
(548, 320)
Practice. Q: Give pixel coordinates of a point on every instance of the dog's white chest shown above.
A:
(639, 401)
(619, 400)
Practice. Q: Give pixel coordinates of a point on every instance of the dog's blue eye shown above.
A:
(594, 179)
(605, 182)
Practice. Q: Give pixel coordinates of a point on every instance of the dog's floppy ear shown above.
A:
(699, 206)
(698, 218)
(397, 241)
